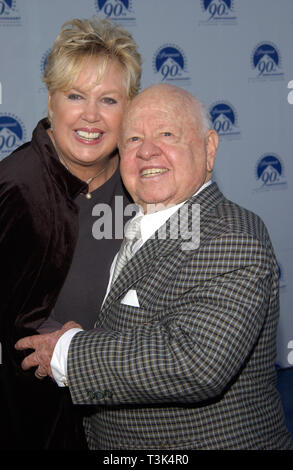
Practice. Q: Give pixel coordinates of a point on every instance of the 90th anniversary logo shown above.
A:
(266, 62)
(9, 14)
(12, 134)
(218, 12)
(170, 63)
(281, 276)
(224, 120)
(116, 10)
(43, 64)
(270, 173)
(44, 60)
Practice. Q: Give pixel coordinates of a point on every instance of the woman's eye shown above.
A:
(109, 100)
(166, 134)
(74, 96)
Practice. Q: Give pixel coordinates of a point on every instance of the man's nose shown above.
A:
(148, 149)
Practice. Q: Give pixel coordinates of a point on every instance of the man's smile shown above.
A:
(149, 172)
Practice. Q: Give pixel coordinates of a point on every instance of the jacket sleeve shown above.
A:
(20, 248)
(199, 345)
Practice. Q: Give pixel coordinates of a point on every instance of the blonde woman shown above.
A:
(55, 265)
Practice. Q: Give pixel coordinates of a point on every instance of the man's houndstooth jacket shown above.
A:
(193, 366)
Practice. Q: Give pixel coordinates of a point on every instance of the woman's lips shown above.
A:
(89, 136)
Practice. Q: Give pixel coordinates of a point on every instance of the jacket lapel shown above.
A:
(166, 240)
(137, 267)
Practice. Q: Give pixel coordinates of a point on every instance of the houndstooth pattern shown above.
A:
(193, 366)
(131, 236)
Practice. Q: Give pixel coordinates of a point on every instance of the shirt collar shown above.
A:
(150, 223)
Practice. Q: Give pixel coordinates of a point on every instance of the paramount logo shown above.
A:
(8, 139)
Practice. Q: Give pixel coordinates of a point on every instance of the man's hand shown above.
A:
(44, 346)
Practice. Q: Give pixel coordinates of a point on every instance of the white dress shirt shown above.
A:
(150, 223)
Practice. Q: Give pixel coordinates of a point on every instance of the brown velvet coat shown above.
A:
(38, 233)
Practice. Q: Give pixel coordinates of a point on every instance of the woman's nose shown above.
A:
(91, 112)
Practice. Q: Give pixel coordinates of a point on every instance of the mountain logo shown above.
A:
(9, 15)
(270, 172)
(116, 10)
(224, 119)
(266, 61)
(44, 61)
(170, 64)
(281, 276)
(219, 11)
(12, 134)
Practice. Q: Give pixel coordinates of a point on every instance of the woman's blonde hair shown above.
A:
(81, 40)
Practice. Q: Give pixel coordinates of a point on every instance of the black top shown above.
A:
(85, 286)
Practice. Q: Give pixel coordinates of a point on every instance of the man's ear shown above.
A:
(211, 143)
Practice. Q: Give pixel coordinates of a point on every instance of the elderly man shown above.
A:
(183, 353)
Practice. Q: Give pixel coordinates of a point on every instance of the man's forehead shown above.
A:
(156, 117)
(160, 119)
(157, 100)
(154, 110)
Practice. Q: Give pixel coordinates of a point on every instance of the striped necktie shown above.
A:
(132, 235)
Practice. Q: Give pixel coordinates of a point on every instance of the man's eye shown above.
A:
(166, 134)
(133, 139)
